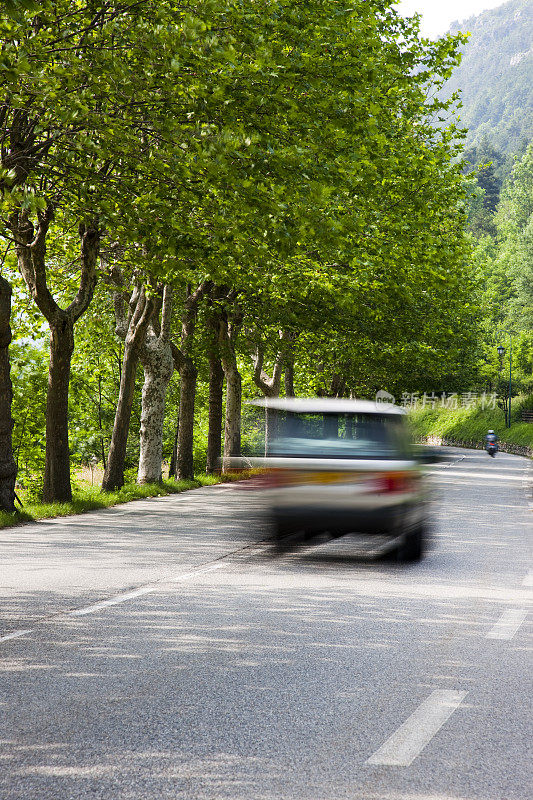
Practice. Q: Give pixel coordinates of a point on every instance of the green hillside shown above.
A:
(468, 426)
(496, 76)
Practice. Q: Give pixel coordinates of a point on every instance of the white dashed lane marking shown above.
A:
(418, 730)
(480, 477)
(528, 580)
(14, 635)
(508, 624)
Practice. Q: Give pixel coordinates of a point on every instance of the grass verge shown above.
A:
(91, 498)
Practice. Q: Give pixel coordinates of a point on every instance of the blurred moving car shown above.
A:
(345, 466)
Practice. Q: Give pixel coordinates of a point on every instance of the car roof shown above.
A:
(332, 405)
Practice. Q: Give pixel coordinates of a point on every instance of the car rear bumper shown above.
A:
(392, 519)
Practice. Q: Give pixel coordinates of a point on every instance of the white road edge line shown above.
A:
(15, 635)
(123, 598)
(196, 572)
(508, 624)
(405, 744)
(113, 601)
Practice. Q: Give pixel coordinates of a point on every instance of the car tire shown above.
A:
(285, 536)
(278, 529)
(413, 547)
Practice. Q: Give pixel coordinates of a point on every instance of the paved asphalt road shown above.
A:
(167, 656)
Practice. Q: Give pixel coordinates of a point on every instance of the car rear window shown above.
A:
(332, 435)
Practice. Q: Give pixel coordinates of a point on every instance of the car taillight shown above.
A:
(396, 482)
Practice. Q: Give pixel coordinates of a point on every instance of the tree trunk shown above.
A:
(56, 487)
(172, 472)
(156, 358)
(289, 379)
(8, 468)
(232, 426)
(114, 472)
(228, 332)
(188, 374)
(185, 458)
(32, 263)
(214, 436)
(140, 313)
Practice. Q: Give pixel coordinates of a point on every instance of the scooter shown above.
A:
(491, 448)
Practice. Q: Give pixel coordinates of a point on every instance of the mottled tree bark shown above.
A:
(158, 369)
(158, 365)
(232, 424)
(31, 258)
(228, 331)
(8, 468)
(140, 312)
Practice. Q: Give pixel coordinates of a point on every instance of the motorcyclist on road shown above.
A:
(491, 443)
(491, 438)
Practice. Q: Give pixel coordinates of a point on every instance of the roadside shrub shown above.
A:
(33, 486)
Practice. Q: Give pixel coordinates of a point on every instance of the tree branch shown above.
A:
(166, 313)
(269, 386)
(90, 247)
(31, 258)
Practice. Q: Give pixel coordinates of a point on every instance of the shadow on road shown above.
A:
(235, 690)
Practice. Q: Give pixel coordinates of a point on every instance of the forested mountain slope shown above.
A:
(496, 75)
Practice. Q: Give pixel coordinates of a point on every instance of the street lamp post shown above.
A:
(501, 353)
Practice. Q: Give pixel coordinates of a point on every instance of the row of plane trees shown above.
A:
(261, 187)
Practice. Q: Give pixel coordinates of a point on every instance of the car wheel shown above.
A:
(413, 547)
(285, 536)
(279, 530)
